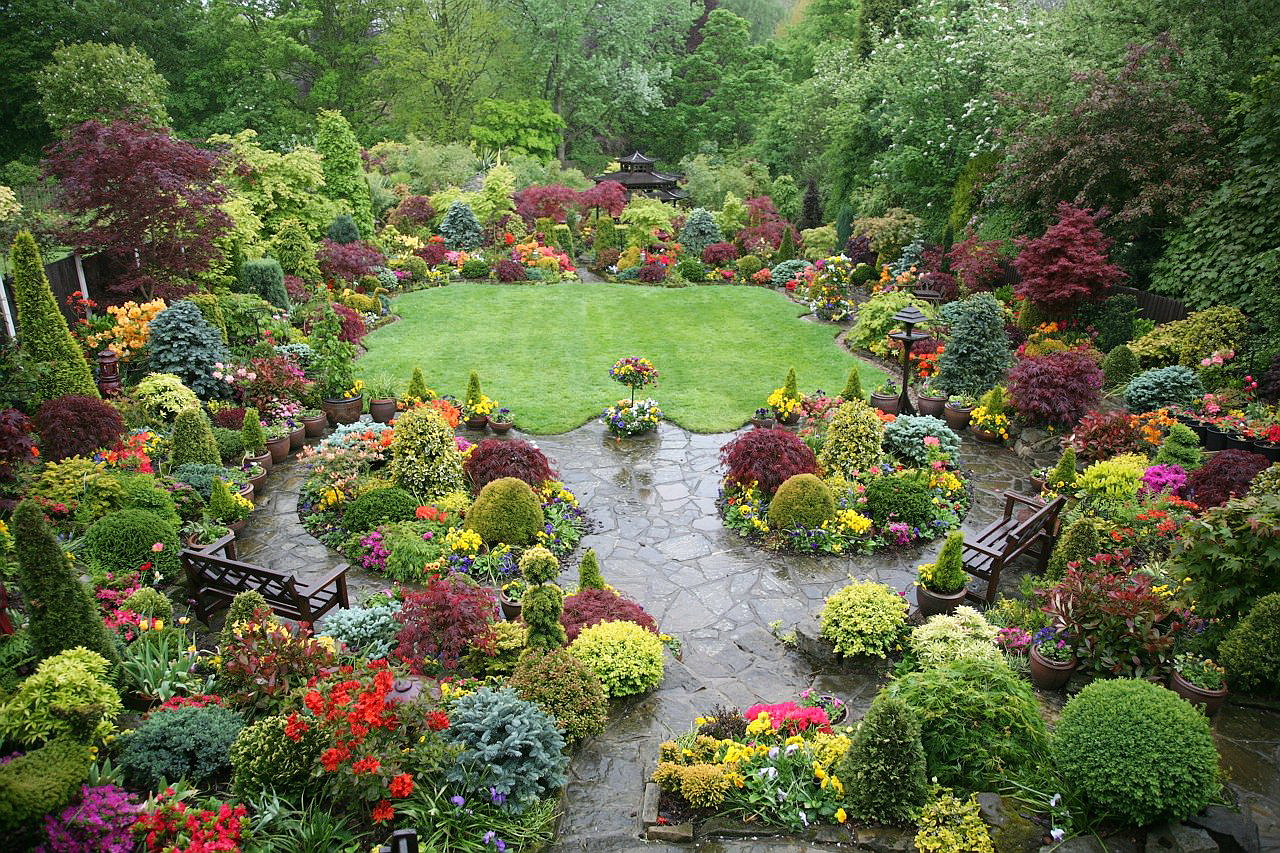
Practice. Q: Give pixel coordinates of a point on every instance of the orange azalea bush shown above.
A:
(132, 327)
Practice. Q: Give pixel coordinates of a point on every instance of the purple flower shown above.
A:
(457, 800)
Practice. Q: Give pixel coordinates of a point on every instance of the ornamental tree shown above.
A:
(1067, 264)
(553, 201)
(148, 201)
(765, 227)
(607, 196)
(101, 81)
(344, 180)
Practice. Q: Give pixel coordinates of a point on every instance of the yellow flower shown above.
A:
(841, 817)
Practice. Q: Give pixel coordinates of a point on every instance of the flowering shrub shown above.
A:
(441, 621)
(101, 822)
(263, 661)
(168, 824)
(766, 458)
(864, 618)
(1163, 479)
(1055, 389)
(589, 607)
(1227, 475)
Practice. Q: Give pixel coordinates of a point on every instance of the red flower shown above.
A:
(368, 764)
(294, 728)
(401, 786)
(383, 812)
(437, 720)
(331, 758)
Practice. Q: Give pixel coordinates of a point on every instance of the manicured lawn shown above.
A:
(545, 351)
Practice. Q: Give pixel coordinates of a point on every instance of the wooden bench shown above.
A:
(1007, 539)
(214, 576)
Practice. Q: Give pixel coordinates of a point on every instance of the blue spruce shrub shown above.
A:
(460, 228)
(184, 344)
(1162, 386)
(977, 352)
(904, 438)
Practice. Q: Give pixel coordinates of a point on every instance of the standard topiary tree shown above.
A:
(265, 277)
(1251, 651)
(62, 612)
(853, 440)
(344, 180)
(1180, 447)
(42, 332)
(802, 501)
(699, 232)
(1119, 366)
(424, 457)
(1079, 541)
(1135, 753)
(193, 441)
(460, 228)
(184, 344)
(252, 433)
(853, 386)
(884, 769)
(589, 576)
(543, 601)
(506, 512)
(977, 351)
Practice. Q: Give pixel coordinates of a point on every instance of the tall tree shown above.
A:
(344, 180)
(102, 81)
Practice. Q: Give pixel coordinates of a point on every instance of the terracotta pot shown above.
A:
(762, 423)
(933, 603)
(259, 483)
(987, 436)
(1050, 674)
(789, 420)
(501, 429)
(887, 403)
(264, 460)
(931, 405)
(297, 438)
(1037, 485)
(314, 427)
(246, 491)
(956, 417)
(237, 527)
(1209, 700)
(279, 449)
(478, 422)
(383, 410)
(510, 609)
(344, 411)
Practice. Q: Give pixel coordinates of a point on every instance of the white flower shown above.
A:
(1054, 800)
(1056, 834)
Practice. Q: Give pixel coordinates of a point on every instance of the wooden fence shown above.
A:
(1156, 308)
(64, 280)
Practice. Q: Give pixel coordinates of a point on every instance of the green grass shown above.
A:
(545, 351)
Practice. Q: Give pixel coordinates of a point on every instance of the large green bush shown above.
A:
(506, 511)
(699, 232)
(193, 440)
(863, 618)
(510, 746)
(884, 769)
(61, 611)
(977, 351)
(378, 506)
(900, 497)
(265, 277)
(853, 440)
(181, 743)
(1135, 753)
(627, 658)
(424, 457)
(1230, 554)
(1174, 385)
(566, 688)
(1251, 650)
(875, 319)
(802, 501)
(1187, 341)
(264, 758)
(979, 721)
(963, 635)
(344, 180)
(66, 691)
(1119, 367)
(41, 782)
(122, 541)
(460, 228)
(183, 343)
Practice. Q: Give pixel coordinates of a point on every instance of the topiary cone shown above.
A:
(853, 386)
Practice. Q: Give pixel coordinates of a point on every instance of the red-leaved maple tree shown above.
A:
(1067, 264)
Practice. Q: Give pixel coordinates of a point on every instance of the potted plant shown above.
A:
(990, 421)
(202, 531)
(959, 410)
(277, 433)
(341, 392)
(501, 421)
(1038, 478)
(255, 440)
(313, 422)
(257, 477)
(931, 399)
(511, 598)
(1266, 440)
(786, 402)
(940, 585)
(476, 407)
(382, 398)
(1200, 681)
(885, 397)
(229, 508)
(297, 433)
(1052, 660)
(763, 418)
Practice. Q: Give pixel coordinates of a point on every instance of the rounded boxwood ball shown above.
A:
(506, 511)
(801, 501)
(1136, 752)
(379, 506)
(124, 540)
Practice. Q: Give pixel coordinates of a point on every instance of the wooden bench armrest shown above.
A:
(217, 546)
(327, 580)
(983, 549)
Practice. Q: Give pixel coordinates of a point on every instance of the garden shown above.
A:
(875, 445)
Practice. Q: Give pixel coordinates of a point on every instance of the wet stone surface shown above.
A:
(660, 542)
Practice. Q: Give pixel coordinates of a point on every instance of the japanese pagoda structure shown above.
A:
(638, 176)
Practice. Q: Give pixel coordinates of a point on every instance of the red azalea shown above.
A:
(331, 758)
(437, 720)
(295, 727)
(368, 764)
(401, 786)
(383, 812)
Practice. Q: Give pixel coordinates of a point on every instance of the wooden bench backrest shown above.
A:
(1021, 535)
(231, 576)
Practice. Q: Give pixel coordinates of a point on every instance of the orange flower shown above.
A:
(383, 812)
(401, 786)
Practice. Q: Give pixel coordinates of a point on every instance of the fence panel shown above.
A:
(1156, 308)
(64, 281)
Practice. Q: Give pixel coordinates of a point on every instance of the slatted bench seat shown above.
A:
(214, 576)
(1010, 537)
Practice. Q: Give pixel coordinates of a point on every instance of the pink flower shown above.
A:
(157, 547)
(931, 441)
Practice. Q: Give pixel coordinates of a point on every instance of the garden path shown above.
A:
(660, 542)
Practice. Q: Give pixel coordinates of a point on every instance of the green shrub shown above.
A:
(977, 352)
(475, 268)
(1119, 367)
(56, 700)
(692, 269)
(1187, 341)
(853, 386)
(864, 618)
(1079, 541)
(46, 340)
(81, 483)
(182, 343)
(543, 601)
(40, 783)
(460, 228)
(1267, 482)
(501, 648)
(1116, 480)
(424, 457)
(1174, 385)
(748, 265)
(181, 743)
(122, 541)
(1180, 447)
(946, 574)
(163, 396)
(506, 511)
(1114, 319)
(979, 721)
(367, 631)
(211, 310)
(963, 635)
(343, 229)
(344, 180)
(566, 689)
(625, 657)
(1136, 753)
(853, 440)
(509, 747)
(243, 606)
(264, 758)
(143, 491)
(151, 603)
(377, 507)
(1064, 475)
(802, 501)
(265, 277)
(884, 769)
(900, 497)
(589, 576)
(193, 441)
(786, 270)
(200, 476)
(700, 231)
(904, 439)
(1251, 650)
(1229, 553)
(875, 319)
(61, 611)
(951, 825)
(230, 445)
